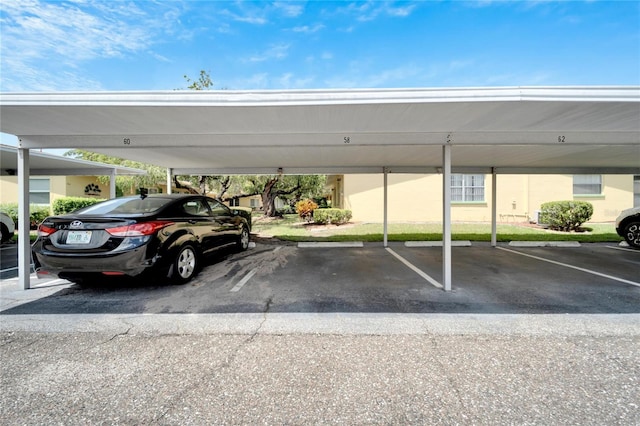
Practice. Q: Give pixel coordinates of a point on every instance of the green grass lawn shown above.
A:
(291, 228)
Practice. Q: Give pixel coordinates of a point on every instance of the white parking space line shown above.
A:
(414, 268)
(624, 249)
(243, 281)
(51, 283)
(15, 268)
(566, 265)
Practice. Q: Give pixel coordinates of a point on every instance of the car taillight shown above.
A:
(45, 231)
(138, 229)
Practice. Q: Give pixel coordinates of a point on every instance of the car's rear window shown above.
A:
(124, 206)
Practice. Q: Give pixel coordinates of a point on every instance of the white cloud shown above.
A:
(371, 10)
(307, 29)
(357, 76)
(44, 44)
(276, 51)
(289, 9)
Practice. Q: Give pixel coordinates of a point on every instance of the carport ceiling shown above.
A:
(514, 129)
(43, 164)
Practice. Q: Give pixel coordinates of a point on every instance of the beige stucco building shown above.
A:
(411, 197)
(419, 197)
(43, 190)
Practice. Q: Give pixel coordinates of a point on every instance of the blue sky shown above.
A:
(150, 45)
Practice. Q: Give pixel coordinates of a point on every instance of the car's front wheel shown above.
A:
(185, 264)
(4, 233)
(243, 239)
(632, 234)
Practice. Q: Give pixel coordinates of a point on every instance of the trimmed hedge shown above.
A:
(36, 213)
(565, 215)
(70, 204)
(331, 216)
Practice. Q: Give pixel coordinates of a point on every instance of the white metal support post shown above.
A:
(169, 180)
(446, 216)
(24, 243)
(385, 229)
(112, 184)
(494, 203)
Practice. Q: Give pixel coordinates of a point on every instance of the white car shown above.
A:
(7, 227)
(628, 226)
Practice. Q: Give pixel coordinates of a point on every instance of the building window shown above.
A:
(234, 202)
(39, 191)
(636, 191)
(255, 203)
(467, 187)
(587, 184)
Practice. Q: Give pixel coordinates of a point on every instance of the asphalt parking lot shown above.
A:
(589, 279)
(357, 335)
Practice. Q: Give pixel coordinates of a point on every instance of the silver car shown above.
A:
(628, 226)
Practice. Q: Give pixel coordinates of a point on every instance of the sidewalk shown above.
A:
(312, 368)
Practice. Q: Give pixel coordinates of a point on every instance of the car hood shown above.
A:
(626, 213)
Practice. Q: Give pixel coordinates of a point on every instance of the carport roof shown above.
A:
(506, 129)
(43, 164)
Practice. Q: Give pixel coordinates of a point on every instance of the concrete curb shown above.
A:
(322, 244)
(544, 244)
(436, 243)
(552, 325)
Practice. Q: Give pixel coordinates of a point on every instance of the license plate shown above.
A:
(78, 237)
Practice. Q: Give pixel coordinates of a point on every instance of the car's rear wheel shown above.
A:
(243, 239)
(185, 264)
(632, 234)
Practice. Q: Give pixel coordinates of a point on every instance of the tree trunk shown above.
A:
(269, 198)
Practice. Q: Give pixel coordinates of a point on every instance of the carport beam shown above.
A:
(169, 180)
(494, 213)
(446, 217)
(385, 219)
(112, 184)
(24, 243)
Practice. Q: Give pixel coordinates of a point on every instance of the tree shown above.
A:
(202, 83)
(269, 187)
(290, 188)
(154, 174)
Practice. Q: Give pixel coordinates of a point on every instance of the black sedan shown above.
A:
(129, 236)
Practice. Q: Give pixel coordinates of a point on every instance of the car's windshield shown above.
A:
(124, 206)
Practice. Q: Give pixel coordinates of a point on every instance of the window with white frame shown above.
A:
(587, 184)
(255, 203)
(467, 187)
(234, 202)
(39, 191)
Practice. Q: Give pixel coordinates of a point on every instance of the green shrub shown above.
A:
(287, 209)
(70, 204)
(305, 209)
(37, 213)
(331, 216)
(565, 215)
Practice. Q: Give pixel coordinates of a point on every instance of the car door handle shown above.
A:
(192, 221)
